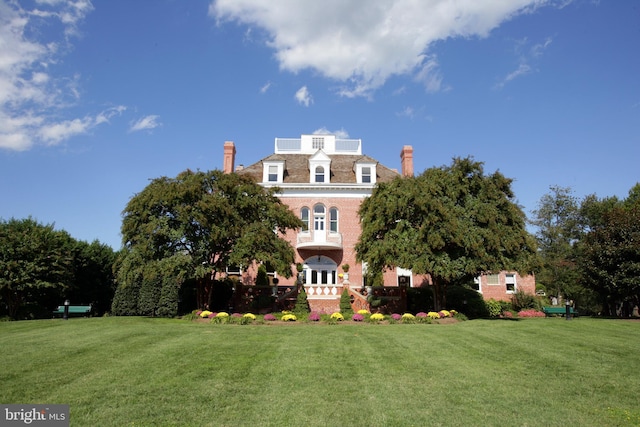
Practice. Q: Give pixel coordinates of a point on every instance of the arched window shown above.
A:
(318, 217)
(304, 216)
(333, 220)
(319, 173)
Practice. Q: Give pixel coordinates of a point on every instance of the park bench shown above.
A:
(551, 311)
(74, 310)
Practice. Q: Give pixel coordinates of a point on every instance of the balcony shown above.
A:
(319, 240)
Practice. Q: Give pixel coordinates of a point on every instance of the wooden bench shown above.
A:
(552, 311)
(74, 310)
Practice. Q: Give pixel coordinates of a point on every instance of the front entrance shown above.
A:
(320, 270)
(321, 284)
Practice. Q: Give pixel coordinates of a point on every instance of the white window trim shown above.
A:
(360, 166)
(265, 171)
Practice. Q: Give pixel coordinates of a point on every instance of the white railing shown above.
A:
(348, 145)
(323, 291)
(320, 238)
(288, 144)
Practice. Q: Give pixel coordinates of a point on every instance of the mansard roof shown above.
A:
(297, 168)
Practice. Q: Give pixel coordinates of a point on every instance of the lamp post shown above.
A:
(66, 309)
(567, 314)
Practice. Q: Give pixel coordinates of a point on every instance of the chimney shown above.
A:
(406, 159)
(229, 157)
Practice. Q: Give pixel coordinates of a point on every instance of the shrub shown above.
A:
(530, 313)
(522, 301)
(302, 304)
(494, 307)
(345, 301)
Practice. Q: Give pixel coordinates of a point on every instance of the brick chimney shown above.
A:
(229, 157)
(406, 159)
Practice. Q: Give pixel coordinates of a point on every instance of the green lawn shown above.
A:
(160, 372)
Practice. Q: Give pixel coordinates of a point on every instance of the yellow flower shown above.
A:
(337, 316)
(250, 316)
(377, 316)
(363, 311)
(433, 315)
(222, 314)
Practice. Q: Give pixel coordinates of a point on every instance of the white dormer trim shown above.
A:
(268, 169)
(365, 172)
(319, 162)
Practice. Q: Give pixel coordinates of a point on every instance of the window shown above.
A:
(318, 217)
(273, 173)
(304, 216)
(333, 220)
(493, 279)
(366, 175)
(317, 143)
(319, 174)
(476, 284)
(510, 281)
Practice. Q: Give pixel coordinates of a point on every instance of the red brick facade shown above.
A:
(329, 183)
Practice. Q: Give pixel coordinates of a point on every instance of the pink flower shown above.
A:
(358, 317)
(314, 317)
(396, 316)
(421, 314)
(269, 317)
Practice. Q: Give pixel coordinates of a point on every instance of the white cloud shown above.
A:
(32, 97)
(340, 134)
(526, 56)
(265, 88)
(145, 123)
(303, 96)
(363, 44)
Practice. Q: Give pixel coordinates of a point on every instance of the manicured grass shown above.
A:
(159, 372)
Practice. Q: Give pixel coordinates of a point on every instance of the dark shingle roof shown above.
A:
(297, 168)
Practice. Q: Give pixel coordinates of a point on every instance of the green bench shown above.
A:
(551, 311)
(74, 310)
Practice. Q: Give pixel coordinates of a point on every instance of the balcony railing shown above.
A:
(319, 240)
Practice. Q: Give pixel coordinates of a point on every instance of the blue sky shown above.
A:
(97, 98)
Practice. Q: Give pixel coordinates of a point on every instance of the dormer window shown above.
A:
(319, 168)
(273, 172)
(365, 172)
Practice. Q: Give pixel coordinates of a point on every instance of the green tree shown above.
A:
(93, 276)
(452, 222)
(610, 253)
(559, 227)
(36, 263)
(211, 218)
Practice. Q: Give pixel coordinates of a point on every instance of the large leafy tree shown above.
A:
(197, 224)
(452, 223)
(610, 251)
(36, 262)
(559, 227)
